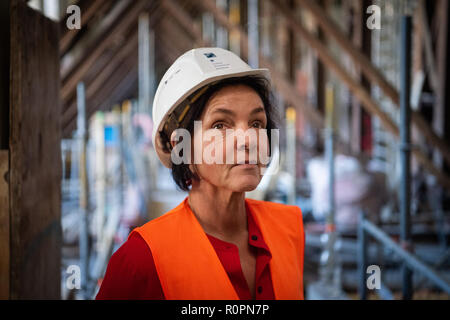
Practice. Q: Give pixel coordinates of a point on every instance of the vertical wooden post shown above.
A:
(4, 73)
(4, 225)
(4, 145)
(34, 156)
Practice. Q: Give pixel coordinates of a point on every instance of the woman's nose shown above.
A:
(245, 138)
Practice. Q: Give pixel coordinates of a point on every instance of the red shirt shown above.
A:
(131, 272)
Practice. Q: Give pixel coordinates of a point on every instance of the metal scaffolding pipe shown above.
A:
(405, 141)
(144, 63)
(84, 198)
(362, 257)
(408, 258)
(253, 34)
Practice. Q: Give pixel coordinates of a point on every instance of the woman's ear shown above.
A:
(173, 139)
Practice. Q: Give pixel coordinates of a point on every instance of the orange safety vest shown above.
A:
(189, 269)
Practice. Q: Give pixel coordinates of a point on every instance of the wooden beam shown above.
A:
(369, 104)
(169, 50)
(4, 225)
(88, 9)
(104, 65)
(335, 33)
(124, 23)
(91, 38)
(93, 87)
(361, 132)
(128, 81)
(183, 19)
(428, 45)
(34, 156)
(368, 69)
(109, 68)
(105, 91)
(166, 50)
(291, 53)
(4, 72)
(175, 34)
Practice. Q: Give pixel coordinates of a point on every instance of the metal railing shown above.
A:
(367, 228)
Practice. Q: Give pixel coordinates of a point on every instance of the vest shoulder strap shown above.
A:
(282, 229)
(186, 262)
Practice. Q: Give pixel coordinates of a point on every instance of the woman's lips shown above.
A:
(245, 166)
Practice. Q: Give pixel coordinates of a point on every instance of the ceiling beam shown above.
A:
(88, 10)
(113, 83)
(91, 38)
(111, 66)
(184, 20)
(123, 24)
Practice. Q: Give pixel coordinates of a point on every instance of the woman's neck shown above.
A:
(220, 212)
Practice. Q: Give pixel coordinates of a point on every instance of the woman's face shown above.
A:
(228, 139)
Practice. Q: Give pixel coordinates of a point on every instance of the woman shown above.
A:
(216, 244)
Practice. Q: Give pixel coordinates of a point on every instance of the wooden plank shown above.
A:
(428, 44)
(4, 73)
(4, 144)
(333, 31)
(182, 17)
(125, 22)
(361, 132)
(91, 37)
(127, 83)
(88, 10)
(71, 111)
(93, 87)
(369, 70)
(123, 51)
(35, 156)
(357, 35)
(175, 34)
(4, 225)
(105, 92)
(168, 55)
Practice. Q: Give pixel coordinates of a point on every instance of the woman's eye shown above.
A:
(257, 125)
(218, 126)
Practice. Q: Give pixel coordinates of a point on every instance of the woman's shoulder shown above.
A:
(134, 257)
(131, 272)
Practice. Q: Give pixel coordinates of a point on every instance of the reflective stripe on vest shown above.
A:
(188, 266)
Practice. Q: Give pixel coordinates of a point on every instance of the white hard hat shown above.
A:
(190, 72)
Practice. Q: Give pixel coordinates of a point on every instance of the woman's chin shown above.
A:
(245, 183)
